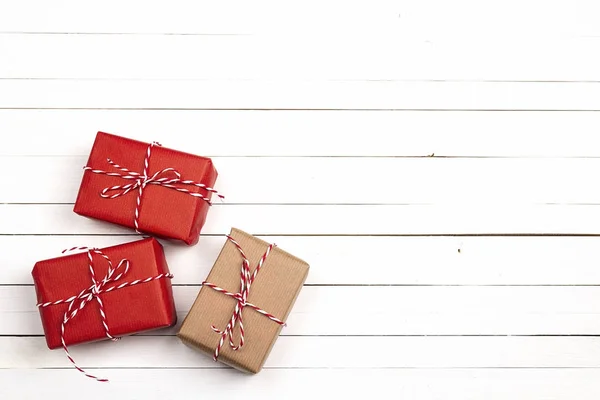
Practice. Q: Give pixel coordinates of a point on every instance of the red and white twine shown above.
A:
(246, 280)
(168, 178)
(78, 302)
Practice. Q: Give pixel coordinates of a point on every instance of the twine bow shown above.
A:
(80, 301)
(246, 280)
(168, 178)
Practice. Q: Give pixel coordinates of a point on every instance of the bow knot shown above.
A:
(78, 302)
(168, 177)
(246, 279)
(240, 299)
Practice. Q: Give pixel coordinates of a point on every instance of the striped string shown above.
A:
(79, 301)
(246, 280)
(168, 178)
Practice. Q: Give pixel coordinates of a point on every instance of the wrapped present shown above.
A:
(156, 190)
(244, 302)
(100, 294)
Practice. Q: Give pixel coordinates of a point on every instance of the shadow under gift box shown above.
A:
(274, 290)
(163, 212)
(128, 310)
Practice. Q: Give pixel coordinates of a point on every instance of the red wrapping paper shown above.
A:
(163, 212)
(128, 310)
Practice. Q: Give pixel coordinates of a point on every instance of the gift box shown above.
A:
(104, 293)
(153, 189)
(244, 302)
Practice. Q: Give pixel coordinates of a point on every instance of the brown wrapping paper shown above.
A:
(275, 290)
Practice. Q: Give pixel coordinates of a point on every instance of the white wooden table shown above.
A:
(436, 162)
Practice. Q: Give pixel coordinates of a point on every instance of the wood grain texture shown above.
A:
(391, 260)
(59, 219)
(389, 311)
(436, 383)
(307, 133)
(323, 352)
(394, 57)
(423, 19)
(435, 162)
(349, 180)
(298, 94)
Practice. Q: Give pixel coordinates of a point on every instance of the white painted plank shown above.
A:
(331, 220)
(322, 352)
(458, 19)
(249, 57)
(393, 310)
(64, 16)
(439, 384)
(362, 180)
(317, 95)
(392, 260)
(307, 133)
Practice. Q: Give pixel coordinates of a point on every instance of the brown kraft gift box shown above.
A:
(274, 290)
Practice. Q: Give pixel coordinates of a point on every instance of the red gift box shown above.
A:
(116, 291)
(144, 186)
